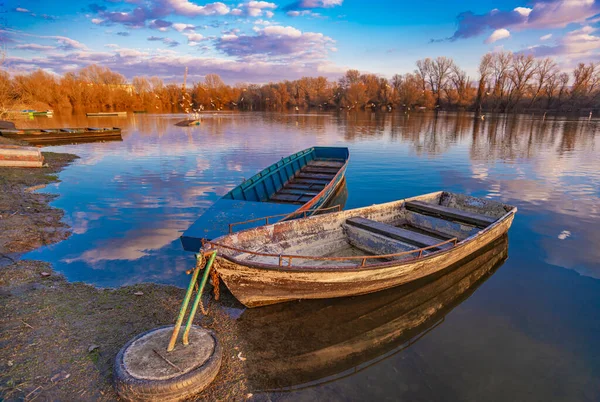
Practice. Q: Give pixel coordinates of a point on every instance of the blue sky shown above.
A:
(261, 41)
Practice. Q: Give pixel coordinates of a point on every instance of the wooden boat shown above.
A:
(297, 185)
(107, 114)
(297, 345)
(40, 136)
(358, 251)
(18, 156)
(43, 113)
(188, 122)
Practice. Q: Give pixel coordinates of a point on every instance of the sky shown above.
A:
(263, 41)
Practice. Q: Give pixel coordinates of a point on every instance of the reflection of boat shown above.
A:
(40, 136)
(107, 114)
(297, 185)
(294, 345)
(359, 251)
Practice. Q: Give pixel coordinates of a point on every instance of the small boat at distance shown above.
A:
(39, 136)
(188, 123)
(297, 185)
(358, 251)
(107, 114)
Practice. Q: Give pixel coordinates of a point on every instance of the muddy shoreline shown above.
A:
(59, 339)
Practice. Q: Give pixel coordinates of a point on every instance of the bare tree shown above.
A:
(545, 70)
(441, 69)
(502, 62)
(485, 69)
(521, 72)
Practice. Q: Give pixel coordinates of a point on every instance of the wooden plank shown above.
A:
(452, 213)
(297, 192)
(393, 232)
(306, 198)
(319, 170)
(377, 244)
(335, 164)
(303, 175)
(286, 198)
(298, 186)
(311, 181)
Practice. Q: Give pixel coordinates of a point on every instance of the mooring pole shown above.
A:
(190, 320)
(186, 301)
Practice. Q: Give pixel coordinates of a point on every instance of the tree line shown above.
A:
(506, 82)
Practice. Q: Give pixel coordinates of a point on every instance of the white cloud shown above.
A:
(185, 7)
(498, 34)
(34, 47)
(303, 13)
(545, 37)
(194, 37)
(180, 27)
(22, 10)
(524, 11)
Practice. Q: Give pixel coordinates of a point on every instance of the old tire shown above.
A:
(131, 386)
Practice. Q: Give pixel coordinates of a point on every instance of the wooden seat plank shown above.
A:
(325, 163)
(297, 186)
(393, 232)
(303, 175)
(302, 180)
(319, 170)
(307, 197)
(452, 213)
(286, 198)
(297, 192)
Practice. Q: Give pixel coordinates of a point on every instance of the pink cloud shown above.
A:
(168, 65)
(277, 41)
(543, 14)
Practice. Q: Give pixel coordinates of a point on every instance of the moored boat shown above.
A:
(188, 122)
(40, 136)
(43, 113)
(107, 114)
(320, 341)
(358, 251)
(297, 185)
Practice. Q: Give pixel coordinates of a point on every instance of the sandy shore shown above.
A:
(59, 339)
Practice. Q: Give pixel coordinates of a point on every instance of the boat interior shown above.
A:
(411, 227)
(295, 179)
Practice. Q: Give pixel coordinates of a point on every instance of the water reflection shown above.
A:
(128, 202)
(304, 344)
(531, 330)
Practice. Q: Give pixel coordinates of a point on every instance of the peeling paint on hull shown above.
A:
(259, 283)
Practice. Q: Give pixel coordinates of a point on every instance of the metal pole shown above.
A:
(190, 320)
(184, 305)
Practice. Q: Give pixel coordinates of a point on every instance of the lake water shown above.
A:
(531, 331)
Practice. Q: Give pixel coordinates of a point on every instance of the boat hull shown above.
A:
(322, 340)
(62, 135)
(254, 284)
(238, 210)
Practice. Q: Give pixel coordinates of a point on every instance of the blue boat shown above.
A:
(296, 186)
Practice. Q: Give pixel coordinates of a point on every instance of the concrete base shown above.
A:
(142, 362)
